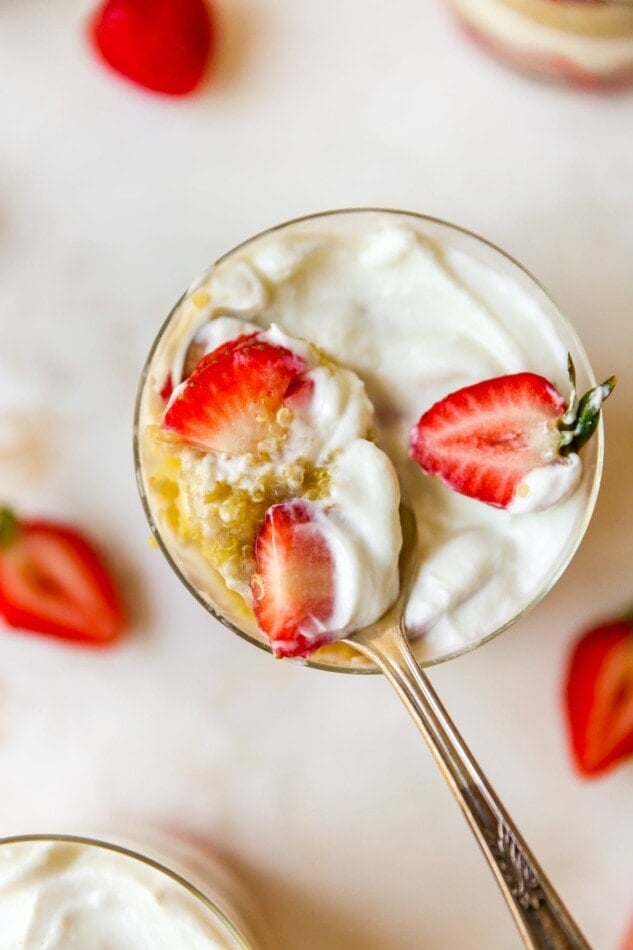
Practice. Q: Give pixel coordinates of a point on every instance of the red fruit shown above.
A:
(230, 401)
(484, 439)
(299, 393)
(162, 45)
(293, 589)
(52, 581)
(167, 388)
(599, 697)
(627, 943)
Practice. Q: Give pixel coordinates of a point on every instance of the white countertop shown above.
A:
(111, 200)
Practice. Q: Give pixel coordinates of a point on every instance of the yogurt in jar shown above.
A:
(588, 43)
(416, 311)
(58, 894)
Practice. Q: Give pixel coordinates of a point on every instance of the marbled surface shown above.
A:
(315, 785)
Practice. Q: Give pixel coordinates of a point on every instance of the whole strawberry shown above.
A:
(598, 696)
(163, 45)
(511, 441)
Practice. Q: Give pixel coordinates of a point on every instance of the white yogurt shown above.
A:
(65, 895)
(415, 320)
(546, 486)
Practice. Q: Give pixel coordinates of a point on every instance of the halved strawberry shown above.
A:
(230, 401)
(599, 697)
(52, 581)
(293, 589)
(162, 45)
(485, 439)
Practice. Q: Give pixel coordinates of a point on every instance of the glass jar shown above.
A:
(58, 891)
(585, 43)
(464, 258)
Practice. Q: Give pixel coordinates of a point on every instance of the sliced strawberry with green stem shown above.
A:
(231, 400)
(485, 439)
(293, 588)
(599, 696)
(52, 581)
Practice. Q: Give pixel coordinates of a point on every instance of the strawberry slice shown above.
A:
(52, 581)
(293, 589)
(484, 440)
(162, 45)
(599, 697)
(230, 401)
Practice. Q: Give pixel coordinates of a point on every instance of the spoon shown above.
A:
(540, 915)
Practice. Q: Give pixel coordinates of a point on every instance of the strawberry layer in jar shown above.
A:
(588, 43)
(388, 313)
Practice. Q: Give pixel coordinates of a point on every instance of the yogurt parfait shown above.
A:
(586, 43)
(58, 892)
(328, 369)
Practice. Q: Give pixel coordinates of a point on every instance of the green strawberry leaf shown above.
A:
(578, 429)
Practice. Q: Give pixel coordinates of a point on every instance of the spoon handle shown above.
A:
(540, 915)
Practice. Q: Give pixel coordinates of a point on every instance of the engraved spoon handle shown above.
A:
(540, 915)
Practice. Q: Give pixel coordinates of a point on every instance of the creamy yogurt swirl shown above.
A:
(66, 895)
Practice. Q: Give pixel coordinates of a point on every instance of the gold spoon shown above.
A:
(540, 915)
